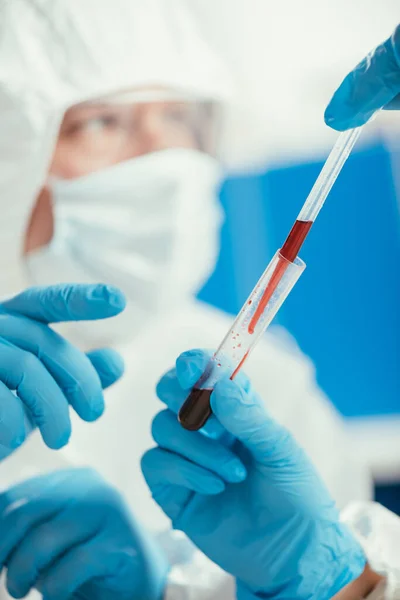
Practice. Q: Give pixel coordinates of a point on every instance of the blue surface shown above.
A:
(344, 310)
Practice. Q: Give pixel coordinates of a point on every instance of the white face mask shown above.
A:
(149, 225)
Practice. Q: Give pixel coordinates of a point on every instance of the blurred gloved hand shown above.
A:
(69, 535)
(41, 373)
(374, 83)
(250, 498)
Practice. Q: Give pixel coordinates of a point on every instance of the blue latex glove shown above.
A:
(374, 83)
(45, 371)
(70, 535)
(250, 498)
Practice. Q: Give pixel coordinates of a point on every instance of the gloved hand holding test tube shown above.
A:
(268, 295)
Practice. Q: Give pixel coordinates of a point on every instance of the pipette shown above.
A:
(269, 293)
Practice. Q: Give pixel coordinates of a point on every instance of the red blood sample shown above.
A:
(295, 239)
(268, 292)
(240, 365)
(289, 251)
(196, 409)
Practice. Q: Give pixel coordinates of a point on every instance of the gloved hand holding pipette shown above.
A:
(247, 495)
(373, 84)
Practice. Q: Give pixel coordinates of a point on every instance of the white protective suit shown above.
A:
(378, 531)
(53, 54)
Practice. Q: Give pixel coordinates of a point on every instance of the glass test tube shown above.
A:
(241, 338)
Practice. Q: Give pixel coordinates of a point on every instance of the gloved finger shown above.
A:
(94, 562)
(25, 506)
(246, 418)
(16, 422)
(172, 498)
(161, 467)
(207, 453)
(190, 366)
(67, 302)
(43, 545)
(70, 368)
(174, 387)
(79, 565)
(394, 104)
(12, 418)
(373, 83)
(35, 387)
(170, 392)
(109, 365)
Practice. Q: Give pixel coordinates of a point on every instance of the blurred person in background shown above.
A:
(110, 116)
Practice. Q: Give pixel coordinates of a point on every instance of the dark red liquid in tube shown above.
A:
(195, 410)
(289, 251)
(295, 239)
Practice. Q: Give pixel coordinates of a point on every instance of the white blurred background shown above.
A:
(287, 58)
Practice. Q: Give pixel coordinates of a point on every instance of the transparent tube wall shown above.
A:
(239, 342)
(329, 173)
